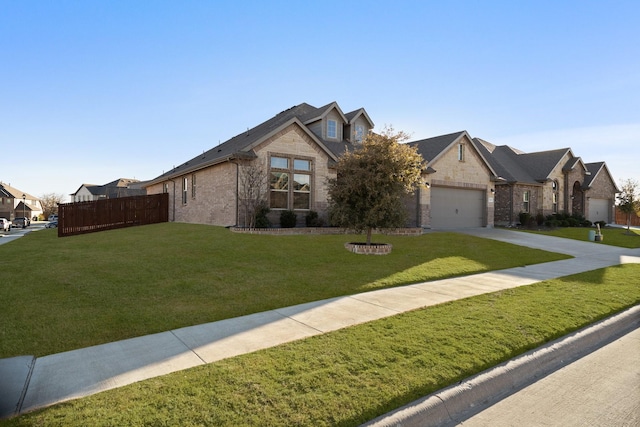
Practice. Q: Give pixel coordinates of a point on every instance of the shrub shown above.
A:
(261, 220)
(524, 217)
(288, 219)
(540, 219)
(573, 222)
(312, 219)
(564, 223)
(587, 223)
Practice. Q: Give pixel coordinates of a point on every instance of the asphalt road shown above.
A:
(601, 389)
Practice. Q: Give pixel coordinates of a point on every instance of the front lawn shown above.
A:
(611, 235)
(58, 294)
(350, 376)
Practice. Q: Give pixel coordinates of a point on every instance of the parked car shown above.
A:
(6, 224)
(51, 224)
(53, 217)
(21, 222)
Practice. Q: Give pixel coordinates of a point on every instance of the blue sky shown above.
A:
(92, 91)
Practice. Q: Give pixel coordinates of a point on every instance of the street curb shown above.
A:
(15, 373)
(454, 404)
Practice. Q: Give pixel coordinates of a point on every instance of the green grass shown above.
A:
(350, 376)
(611, 235)
(65, 293)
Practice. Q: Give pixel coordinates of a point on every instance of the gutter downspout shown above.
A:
(174, 199)
(230, 160)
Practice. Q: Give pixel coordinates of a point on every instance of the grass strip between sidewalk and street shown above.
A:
(347, 377)
(66, 293)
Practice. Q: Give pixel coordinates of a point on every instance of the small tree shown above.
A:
(252, 190)
(372, 181)
(49, 203)
(629, 200)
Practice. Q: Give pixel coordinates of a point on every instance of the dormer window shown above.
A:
(332, 129)
(359, 133)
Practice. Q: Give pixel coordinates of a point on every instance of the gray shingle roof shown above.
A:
(242, 144)
(430, 148)
(594, 169)
(517, 166)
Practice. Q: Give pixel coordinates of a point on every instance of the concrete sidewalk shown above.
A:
(28, 383)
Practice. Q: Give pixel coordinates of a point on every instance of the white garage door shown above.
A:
(453, 207)
(598, 210)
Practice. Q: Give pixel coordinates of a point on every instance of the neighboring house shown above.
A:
(296, 150)
(122, 187)
(548, 182)
(17, 203)
(469, 182)
(459, 184)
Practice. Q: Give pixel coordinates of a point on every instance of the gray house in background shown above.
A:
(122, 187)
(548, 182)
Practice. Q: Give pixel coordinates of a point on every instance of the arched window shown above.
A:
(554, 196)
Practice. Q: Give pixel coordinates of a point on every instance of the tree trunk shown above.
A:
(369, 235)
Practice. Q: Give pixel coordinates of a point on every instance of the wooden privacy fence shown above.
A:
(621, 218)
(108, 214)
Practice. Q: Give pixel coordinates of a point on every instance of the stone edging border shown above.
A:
(452, 405)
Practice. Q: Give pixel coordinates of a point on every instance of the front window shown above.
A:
(302, 165)
(279, 190)
(301, 191)
(554, 196)
(279, 163)
(290, 183)
(332, 129)
(193, 186)
(525, 201)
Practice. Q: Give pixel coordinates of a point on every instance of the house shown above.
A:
(17, 203)
(297, 150)
(122, 187)
(548, 182)
(469, 182)
(460, 184)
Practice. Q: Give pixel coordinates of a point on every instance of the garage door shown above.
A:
(453, 207)
(598, 210)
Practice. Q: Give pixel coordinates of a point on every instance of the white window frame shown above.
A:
(335, 129)
(185, 189)
(526, 197)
